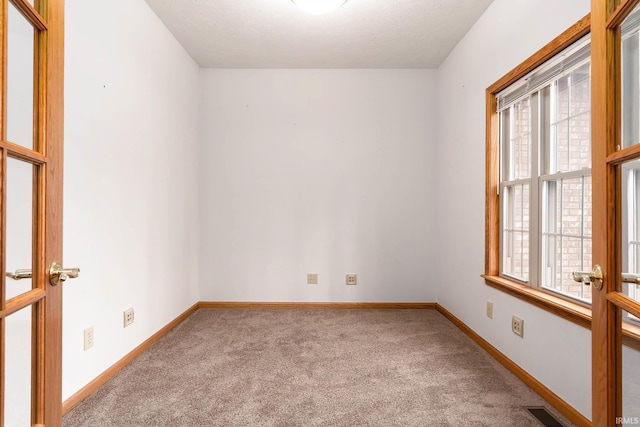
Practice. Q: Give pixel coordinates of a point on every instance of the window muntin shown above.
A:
(545, 185)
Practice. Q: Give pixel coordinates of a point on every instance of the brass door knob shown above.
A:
(24, 273)
(596, 277)
(58, 274)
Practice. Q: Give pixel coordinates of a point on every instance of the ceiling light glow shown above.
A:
(318, 7)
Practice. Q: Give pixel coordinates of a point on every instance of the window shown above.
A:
(539, 215)
(545, 157)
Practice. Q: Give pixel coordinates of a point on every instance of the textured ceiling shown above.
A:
(361, 34)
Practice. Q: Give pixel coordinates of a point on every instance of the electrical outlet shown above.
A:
(517, 326)
(88, 338)
(128, 317)
(490, 309)
(312, 279)
(352, 279)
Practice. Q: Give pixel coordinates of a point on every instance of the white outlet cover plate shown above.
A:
(128, 317)
(517, 326)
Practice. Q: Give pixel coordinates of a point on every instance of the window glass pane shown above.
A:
(570, 122)
(515, 260)
(524, 257)
(580, 142)
(580, 119)
(571, 258)
(550, 268)
(505, 146)
(566, 230)
(587, 232)
(571, 207)
(588, 207)
(561, 107)
(518, 242)
(557, 273)
(517, 208)
(562, 256)
(560, 131)
(521, 140)
(587, 263)
(580, 101)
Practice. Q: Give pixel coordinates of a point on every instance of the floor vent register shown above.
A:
(542, 415)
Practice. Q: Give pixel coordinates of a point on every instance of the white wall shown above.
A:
(317, 171)
(555, 351)
(374, 172)
(131, 188)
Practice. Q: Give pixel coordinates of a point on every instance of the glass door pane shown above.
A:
(631, 376)
(20, 79)
(19, 230)
(630, 252)
(17, 404)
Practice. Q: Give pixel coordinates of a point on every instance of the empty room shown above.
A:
(320, 213)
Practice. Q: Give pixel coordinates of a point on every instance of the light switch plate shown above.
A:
(88, 338)
(490, 309)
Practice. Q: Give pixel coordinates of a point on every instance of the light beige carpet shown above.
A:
(244, 367)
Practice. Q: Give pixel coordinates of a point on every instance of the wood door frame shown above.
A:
(54, 15)
(603, 135)
(607, 339)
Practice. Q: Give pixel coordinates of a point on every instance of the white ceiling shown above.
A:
(361, 34)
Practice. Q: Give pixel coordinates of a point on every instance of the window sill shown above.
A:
(568, 310)
(571, 311)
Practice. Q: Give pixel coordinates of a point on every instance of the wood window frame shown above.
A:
(572, 311)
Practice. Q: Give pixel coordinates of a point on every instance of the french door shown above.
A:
(615, 38)
(31, 130)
